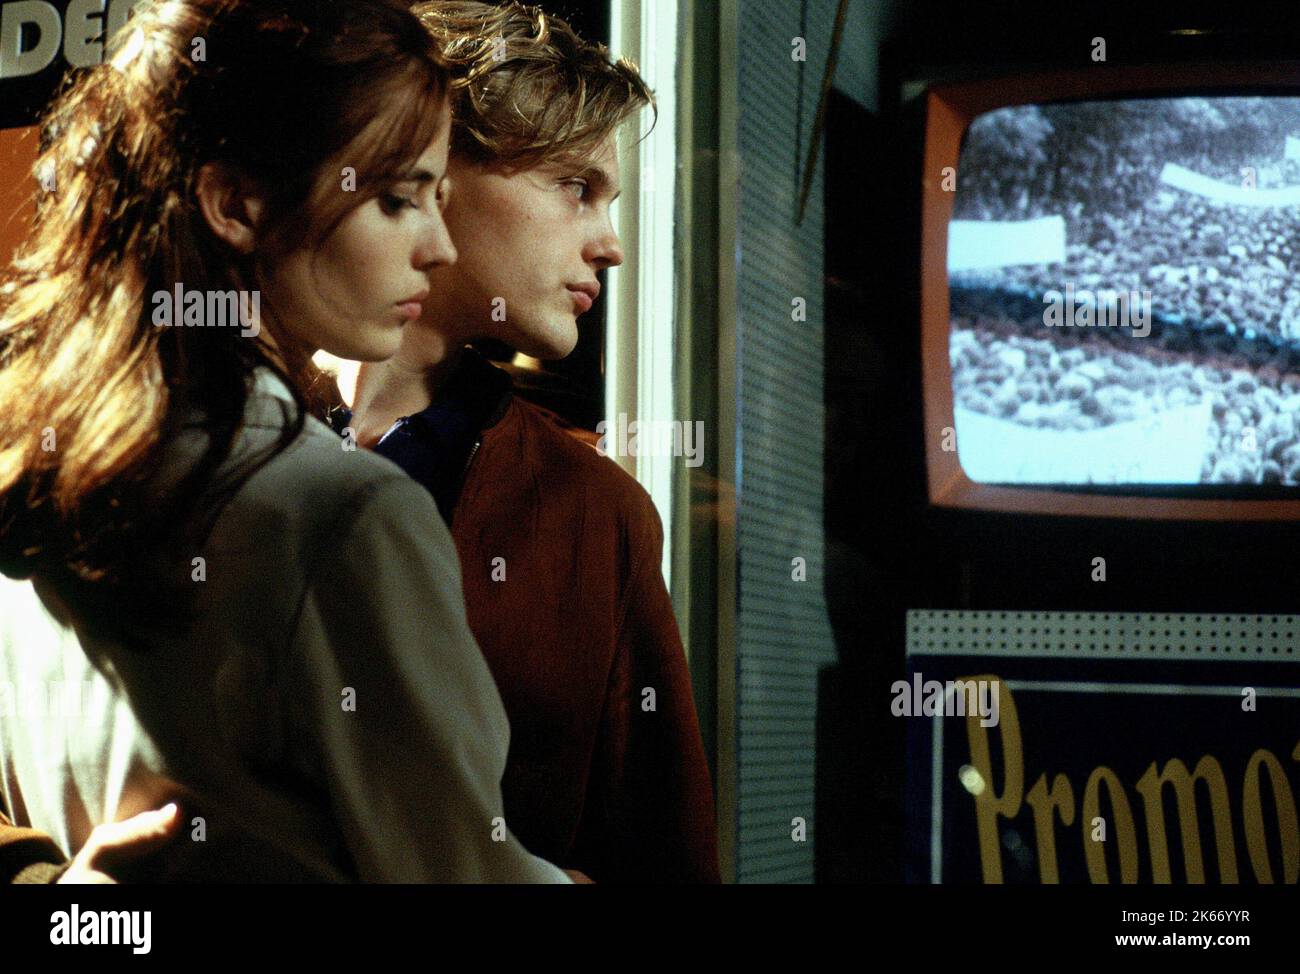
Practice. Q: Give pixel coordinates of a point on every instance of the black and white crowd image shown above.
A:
(1125, 306)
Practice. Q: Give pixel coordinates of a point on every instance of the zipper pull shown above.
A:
(472, 452)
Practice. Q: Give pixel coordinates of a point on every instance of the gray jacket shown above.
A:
(325, 716)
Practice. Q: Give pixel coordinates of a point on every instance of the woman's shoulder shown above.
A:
(319, 474)
(313, 480)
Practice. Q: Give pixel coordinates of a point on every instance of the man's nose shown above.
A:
(606, 250)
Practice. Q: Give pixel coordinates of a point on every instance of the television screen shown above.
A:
(1124, 307)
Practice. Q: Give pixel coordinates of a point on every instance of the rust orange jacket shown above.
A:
(606, 771)
(560, 554)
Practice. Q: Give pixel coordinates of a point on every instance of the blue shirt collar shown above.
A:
(435, 445)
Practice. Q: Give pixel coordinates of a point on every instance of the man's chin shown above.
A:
(555, 344)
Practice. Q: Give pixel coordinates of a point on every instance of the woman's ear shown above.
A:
(230, 205)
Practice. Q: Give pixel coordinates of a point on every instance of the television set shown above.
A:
(1110, 292)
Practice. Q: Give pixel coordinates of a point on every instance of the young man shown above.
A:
(560, 549)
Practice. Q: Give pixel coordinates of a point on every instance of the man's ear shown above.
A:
(230, 204)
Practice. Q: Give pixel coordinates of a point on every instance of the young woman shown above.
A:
(209, 599)
(560, 549)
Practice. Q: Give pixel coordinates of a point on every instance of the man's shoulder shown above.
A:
(569, 455)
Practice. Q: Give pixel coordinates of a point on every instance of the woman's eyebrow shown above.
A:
(419, 176)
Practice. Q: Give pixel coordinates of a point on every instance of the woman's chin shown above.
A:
(375, 345)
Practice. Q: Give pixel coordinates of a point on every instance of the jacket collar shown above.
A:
(476, 395)
(436, 445)
(267, 383)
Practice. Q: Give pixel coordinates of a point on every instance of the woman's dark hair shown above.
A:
(287, 92)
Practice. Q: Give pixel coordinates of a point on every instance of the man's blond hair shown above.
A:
(526, 89)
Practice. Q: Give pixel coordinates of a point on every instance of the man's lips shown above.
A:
(584, 295)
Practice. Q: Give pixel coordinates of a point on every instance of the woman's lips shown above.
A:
(412, 306)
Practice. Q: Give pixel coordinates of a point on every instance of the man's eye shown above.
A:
(581, 188)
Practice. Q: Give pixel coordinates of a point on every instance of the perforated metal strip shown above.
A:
(1106, 635)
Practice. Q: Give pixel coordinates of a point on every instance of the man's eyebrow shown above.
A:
(599, 180)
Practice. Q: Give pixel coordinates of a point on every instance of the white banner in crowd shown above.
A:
(1182, 178)
(977, 244)
(1167, 448)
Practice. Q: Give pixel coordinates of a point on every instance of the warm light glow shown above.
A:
(527, 362)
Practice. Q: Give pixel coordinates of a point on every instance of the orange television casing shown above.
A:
(949, 111)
